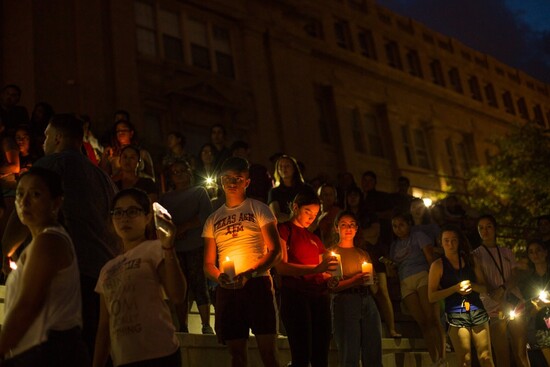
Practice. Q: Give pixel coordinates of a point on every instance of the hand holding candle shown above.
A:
(366, 269)
(337, 273)
(228, 267)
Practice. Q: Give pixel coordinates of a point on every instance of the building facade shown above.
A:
(343, 85)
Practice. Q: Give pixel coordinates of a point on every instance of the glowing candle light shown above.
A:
(512, 314)
(228, 267)
(338, 271)
(366, 268)
(13, 265)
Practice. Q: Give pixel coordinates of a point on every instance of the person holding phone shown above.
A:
(135, 322)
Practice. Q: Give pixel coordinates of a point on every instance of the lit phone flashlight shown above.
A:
(13, 265)
(210, 183)
(161, 215)
(543, 296)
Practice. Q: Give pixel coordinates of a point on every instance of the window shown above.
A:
(366, 43)
(539, 117)
(342, 34)
(454, 80)
(145, 28)
(358, 141)
(170, 29)
(490, 95)
(374, 137)
(522, 109)
(416, 149)
(451, 156)
(437, 73)
(415, 68)
(221, 44)
(474, 88)
(206, 45)
(325, 103)
(463, 158)
(393, 56)
(508, 103)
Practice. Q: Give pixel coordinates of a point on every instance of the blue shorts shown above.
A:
(467, 319)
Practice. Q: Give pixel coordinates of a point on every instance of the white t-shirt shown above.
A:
(62, 309)
(237, 232)
(140, 323)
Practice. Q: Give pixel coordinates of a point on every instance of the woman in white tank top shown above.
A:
(43, 303)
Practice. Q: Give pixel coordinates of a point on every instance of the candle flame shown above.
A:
(332, 253)
(365, 263)
(227, 258)
(512, 314)
(13, 265)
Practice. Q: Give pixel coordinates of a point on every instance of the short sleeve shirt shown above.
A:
(409, 255)
(237, 232)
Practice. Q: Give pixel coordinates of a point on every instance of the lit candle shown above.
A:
(337, 273)
(228, 267)
(367, 269)
(13, 264)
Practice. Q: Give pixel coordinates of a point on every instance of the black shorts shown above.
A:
(251, 308)
(467, 319)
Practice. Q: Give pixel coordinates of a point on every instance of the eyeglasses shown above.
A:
(348, 226)
(232, 180)
(131, 212)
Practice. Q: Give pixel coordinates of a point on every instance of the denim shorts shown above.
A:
(467, 319)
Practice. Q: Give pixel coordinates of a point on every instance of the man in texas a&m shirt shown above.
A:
(242, 235)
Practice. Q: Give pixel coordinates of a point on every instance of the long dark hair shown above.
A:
(297, 177)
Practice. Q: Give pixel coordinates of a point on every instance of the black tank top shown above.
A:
(451, 276)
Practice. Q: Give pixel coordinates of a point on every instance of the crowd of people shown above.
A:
(91, 264)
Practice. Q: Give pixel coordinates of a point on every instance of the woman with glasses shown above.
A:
(458, 279)
(124, 134)
(190, 207)
(135, 323)
(355, 319)
(305, 301)
(502, 296)
(43, 307)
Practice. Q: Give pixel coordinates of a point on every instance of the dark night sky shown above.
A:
(516, 32)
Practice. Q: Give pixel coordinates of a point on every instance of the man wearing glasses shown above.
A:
(243, 235)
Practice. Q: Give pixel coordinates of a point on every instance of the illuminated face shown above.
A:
(51, 140)
(401, 227)
(129, 219)
(22, 139)
(328, 196)
(124, 134)
(306, 214)
(486, 229)
(347, 227)
(129, 160)
(34, 203)
(450, 241)
(285, 167)
(207, 155)
(536, 253)
(235, 183)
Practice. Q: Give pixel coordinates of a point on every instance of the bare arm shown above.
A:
(50, 253)
(103, 337)
(171, 276)
(292, 269)
(434, 292)
(210, 268)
